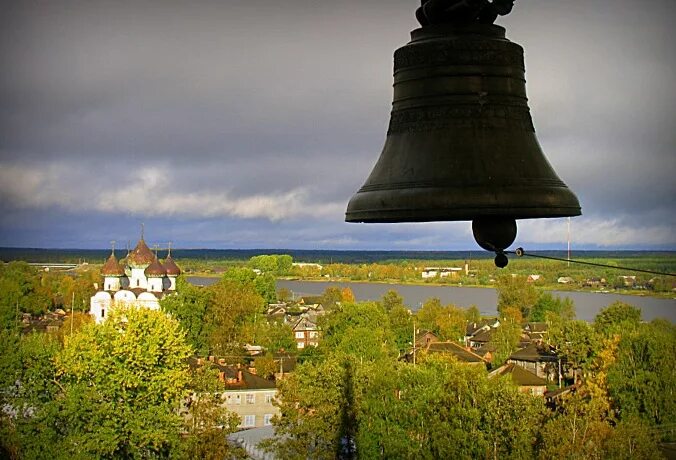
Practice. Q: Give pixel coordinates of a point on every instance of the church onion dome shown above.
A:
(112, 267)
(141, 255)
(171, 267)
(155, 269)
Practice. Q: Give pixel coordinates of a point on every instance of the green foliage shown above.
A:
(505, 339)
(617, 318)
(448, 322)
(401, 325)
(122, 383)
(264, 284)
(331, 297)
(207, 422)
(632, 438)
(472, 314)
(189, 306)
(21, 288)
(112, 391)
(577, 431)
(312, 405)
(576, 343)
(516, 292)
(266, 287)
(547, 305)
(273, 264)
(360, 330)
(274, 336)
(642, 380)
(439, 409)
(391, 300)
(232, 312)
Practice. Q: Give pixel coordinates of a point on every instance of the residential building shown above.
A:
(539, 359)
(246, 394)
(527, 381)
(460, 353)
(306, 333)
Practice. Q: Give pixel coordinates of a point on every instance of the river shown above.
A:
(587, 304)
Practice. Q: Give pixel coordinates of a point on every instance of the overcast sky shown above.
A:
(250, 124)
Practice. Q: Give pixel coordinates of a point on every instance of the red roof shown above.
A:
(171, 267)
(112, 267)
(141, 255)
(155, 269)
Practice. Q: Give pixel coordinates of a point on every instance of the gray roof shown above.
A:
(535, 353)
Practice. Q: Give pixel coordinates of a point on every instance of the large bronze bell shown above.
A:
(461, 143)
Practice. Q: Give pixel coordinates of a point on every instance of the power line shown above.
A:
(520, 252)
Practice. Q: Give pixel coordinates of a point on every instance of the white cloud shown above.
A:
(148, 192)
(605, 232)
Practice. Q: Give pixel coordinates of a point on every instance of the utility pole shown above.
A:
(72, 303)
(569, 241)
(413, 343)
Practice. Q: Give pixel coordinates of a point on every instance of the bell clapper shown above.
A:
(495, 234)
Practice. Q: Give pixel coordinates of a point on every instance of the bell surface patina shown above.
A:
(461, 143)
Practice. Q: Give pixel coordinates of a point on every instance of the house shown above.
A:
(526, 381)
(533, 278)
(244, 393)
(424, 338)
(486, 352)
(441, 272)
(249, 396)
(628, 281)
(474, 328)
(565, 280)
(480, 339)
(595, 282)
(536, 331)
(306, 333)
(460, 353)
(538, 359)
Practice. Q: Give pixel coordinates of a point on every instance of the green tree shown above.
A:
(207, 422)
(122, 383)
(312, 405)
(21, 288)
(233, 311)
(577, 344)
(516, 292)
(266, 366)
(332, 297)
(264, 263)
(266, 287)
(631, 439)
(401, 325)
(548, 304)
(472, 314)
(189, 306)
(505, 338)
(443, 409)
(617, 318)
(264, 284)
(577, 431)
(392, 299)
(358, 329)
(642, 380)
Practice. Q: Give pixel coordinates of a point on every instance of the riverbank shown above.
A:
(587, 304)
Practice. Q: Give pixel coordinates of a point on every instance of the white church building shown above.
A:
(142, 281)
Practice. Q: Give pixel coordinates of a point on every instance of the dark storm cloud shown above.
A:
(250, 123)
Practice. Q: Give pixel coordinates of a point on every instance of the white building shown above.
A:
(142, 281)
